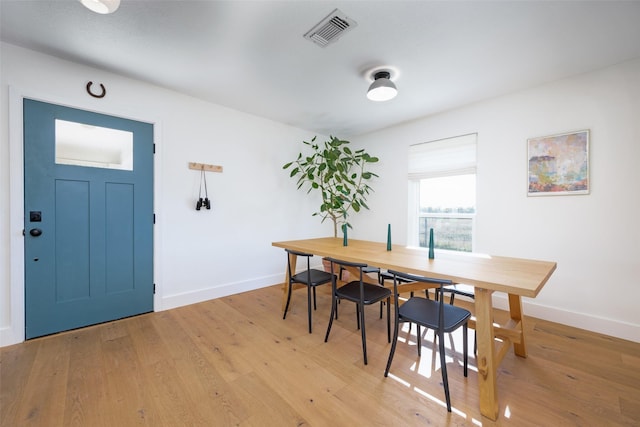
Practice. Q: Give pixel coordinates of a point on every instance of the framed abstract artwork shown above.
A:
(558, 164)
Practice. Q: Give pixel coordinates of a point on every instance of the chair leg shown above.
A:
(475, 340)
(334, 305)
(465, 346)
(286, 307)
(443, 368)
(475, 343)
(411, 296)
(381, 283)
(388, 320)
(364, 335)
(419, 340)
(393, 347)
(314, 298)
(309, 304)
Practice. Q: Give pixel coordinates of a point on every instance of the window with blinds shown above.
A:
(442, 175)
(445, 157)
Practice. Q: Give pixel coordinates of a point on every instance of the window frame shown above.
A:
(416, 175)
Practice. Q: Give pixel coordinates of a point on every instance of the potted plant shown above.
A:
(339, 174)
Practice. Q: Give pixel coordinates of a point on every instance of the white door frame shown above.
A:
(15, 333)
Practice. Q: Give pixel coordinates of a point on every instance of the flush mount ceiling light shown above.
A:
(382, 88)
(101, 6)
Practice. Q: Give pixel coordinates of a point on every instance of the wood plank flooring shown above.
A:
(234, 361)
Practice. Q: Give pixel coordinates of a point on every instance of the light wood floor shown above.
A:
(234, 361)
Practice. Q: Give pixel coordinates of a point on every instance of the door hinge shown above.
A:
(154, 148)
(154, 288)
(154, 218)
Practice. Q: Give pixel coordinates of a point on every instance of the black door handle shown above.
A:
(35, 232)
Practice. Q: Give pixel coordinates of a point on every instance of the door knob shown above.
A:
(35, 232)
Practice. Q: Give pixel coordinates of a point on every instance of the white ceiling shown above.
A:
(251, 55)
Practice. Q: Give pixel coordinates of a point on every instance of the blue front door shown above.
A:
(88, 223)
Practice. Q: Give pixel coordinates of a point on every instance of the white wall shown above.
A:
(595, 238)
(198, 255)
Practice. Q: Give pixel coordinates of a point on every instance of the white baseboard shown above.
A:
(200, 295)
(614, 328)
(178, 300)
(9, 337)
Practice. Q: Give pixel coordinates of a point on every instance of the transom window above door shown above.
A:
(81, 144)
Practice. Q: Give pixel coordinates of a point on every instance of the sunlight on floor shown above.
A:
(428, 364)
(507, 412)
(432, 398)
(398, 379)
(439, 402)
(421, 392)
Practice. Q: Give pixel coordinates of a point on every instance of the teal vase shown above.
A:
(389, 237)
(431, 252)
(344, 235)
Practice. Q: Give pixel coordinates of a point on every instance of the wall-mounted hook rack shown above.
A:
(205, 167)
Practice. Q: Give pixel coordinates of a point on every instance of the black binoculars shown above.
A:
(203, 202)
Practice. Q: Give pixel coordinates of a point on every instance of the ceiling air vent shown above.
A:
(330, 29)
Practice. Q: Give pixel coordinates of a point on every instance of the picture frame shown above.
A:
(558, 164)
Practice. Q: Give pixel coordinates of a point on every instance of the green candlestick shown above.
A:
(344, 233)
(431, 253)
(389, 238)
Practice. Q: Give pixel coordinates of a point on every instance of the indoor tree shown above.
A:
(339, 174)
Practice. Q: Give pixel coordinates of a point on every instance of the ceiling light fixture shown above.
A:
(382, 88)
(101, 6)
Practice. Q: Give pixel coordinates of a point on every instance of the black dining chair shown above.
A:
(311, 278)
(436, 315)
(359, 292)
(453, 290)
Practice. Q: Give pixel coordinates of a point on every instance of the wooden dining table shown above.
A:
(516, 277)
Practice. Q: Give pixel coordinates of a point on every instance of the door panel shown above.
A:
(71, 248)
(119, 243)
(93, 260)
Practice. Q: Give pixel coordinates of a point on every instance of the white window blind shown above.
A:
(444, 157)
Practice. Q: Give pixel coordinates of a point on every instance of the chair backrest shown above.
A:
(415, 278)
(298, 253)
(342, 263)
(440, 283)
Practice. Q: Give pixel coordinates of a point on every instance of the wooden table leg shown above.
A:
(515, 310)
(487, 369)
(293, 260)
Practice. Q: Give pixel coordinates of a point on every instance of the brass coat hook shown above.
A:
(205, 167)
(104, 91)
